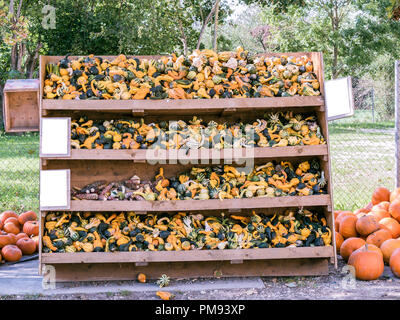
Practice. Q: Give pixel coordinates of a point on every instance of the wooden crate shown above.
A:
(21, 105)
(89, 165)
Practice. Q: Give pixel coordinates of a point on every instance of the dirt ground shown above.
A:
(338, 285)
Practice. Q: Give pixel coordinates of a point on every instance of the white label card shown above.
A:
(339, 98)
(54, 189)
(55, 137)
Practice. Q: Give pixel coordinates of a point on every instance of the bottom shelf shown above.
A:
(177, 270)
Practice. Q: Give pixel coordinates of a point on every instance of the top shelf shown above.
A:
(189, 105)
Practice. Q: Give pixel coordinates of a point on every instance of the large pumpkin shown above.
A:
(394, 209)
(27, 216)
(394, 262)
(383, 205)
(366, 225)
(378, 237)
(31, 228)
(379, 214)
(341, 216)
(368, 265)
(27, 245)
(12, 220)
(388, 248)
(366, 247)
(11, 253)
(347, 227)
(339, 240)
(7, 214)
(395, 194)
(380, 194)
(349, 245)
(392, 225)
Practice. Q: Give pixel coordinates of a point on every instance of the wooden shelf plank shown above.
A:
(199, 154)
(190, 255)
(184, 205)
(182, 105)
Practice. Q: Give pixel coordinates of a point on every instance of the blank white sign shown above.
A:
(339, 98)
(54, 189)
(55, 137)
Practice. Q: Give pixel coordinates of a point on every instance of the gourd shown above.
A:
(378, 237)
(388, 247)
(141, 278)
(164, 295)
(391, 225)
(366, 225)
(26, 245)
(31, 228)
(394, 262)
(27, 216)
(368, 265)
(11, 253)
(380, 194)
(339, 218)
(349, 245)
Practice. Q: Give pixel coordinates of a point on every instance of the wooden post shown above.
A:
(397, 119)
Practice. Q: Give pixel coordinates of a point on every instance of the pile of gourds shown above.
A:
(219, 182)
(276, 130)
(202, 74)
(98, 232)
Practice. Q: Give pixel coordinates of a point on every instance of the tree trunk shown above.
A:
(203, 27)
(215, 42)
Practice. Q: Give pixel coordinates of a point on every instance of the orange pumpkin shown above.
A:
(141, 278)
(340, 217)
(21, 235)
(395, 194)
(5, 240)
(31, 228)
(379, 214)
(27, 245)
(27, 216)
(388, 247)
(366, 225)
(380, 194)
(11, 253)
(13, 238)
(394, 262)
(11, 228)
(7, 214)
(349, 245)
(339, 240)
(378, 237)
(366, 247)
(347, 227)
(384, 205)
(394, 209)
(36, 239)
(368, 265)
(392, 225)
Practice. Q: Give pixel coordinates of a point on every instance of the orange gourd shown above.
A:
(36, 239)
(27, 216)
(394, 262)
(341, 216)
(392, 225)
(388, 248)
(349, 245)
(12, 220)
(380, 194)
(378, 237)
(347, 227)
(366, 225)
(368, 265)
(395, 194)
(379, 214)
(27, 245)
(384, 205)
(11, 253)
(31, 228)
(141, 278)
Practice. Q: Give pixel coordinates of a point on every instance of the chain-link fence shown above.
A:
(362, 153)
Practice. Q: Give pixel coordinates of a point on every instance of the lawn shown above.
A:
(362, 158)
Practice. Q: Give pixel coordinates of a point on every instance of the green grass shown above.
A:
(19, 172)
(362, 159)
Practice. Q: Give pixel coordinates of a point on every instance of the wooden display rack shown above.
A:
(87, 166)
